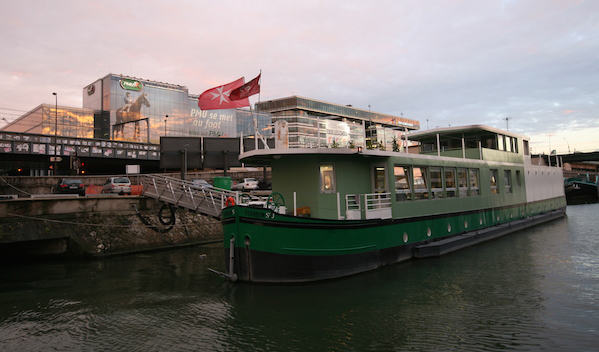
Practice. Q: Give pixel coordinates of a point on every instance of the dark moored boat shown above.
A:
(581, 191)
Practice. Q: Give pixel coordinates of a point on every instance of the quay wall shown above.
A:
(98, 226)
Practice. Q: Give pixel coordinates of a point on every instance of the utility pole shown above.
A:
(55, 170)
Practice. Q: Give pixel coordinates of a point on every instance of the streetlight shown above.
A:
(166, 117)
(506, 123)
(55, 133)
(568, 145)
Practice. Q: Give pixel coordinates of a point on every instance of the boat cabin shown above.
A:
(461, 168)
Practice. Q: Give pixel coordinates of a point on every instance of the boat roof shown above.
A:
(265, 156)
(463, 131)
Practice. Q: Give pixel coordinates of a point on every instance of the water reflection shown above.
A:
(481, 299)
(533, 290)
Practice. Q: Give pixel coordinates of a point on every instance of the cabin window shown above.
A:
(403, 190)
(518, 181)
(513, 145)
(474, 189)
(500, 142)
(436, 182)
(420, 183)
(507, 180)
(494, 189)
(525, 147)
(489, 142)
(380, 179)
(450, 182)
(463, 182)
(327, 178)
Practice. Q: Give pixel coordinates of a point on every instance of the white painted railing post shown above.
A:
(294, 204)
(338, 206)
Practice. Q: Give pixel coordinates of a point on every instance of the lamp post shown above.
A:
(166, 117)
(506, 123)
(568, 145)
(55, 134)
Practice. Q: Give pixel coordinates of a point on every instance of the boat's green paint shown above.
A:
(292, 240)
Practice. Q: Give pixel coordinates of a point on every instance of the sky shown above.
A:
(529, 66)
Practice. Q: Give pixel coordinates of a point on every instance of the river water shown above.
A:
(534, 290)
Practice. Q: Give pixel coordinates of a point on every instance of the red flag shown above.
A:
(246, 90)
(218, 97)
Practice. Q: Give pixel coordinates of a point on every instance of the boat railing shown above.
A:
(353, 208)
(376, 206)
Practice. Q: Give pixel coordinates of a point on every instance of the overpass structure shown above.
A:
(580, 157)
(35, 154)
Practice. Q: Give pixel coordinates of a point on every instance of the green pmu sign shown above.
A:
(131, 84)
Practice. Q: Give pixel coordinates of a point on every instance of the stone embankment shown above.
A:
(98, 226)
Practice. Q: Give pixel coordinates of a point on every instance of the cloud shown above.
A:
(451, 63)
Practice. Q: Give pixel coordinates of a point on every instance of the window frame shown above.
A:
(494, 180)
(331, 176)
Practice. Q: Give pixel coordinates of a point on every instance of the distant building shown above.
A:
(123, 108)
(123, 118)
(313, 123)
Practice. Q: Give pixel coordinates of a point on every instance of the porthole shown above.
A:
(405, 237)
(428, 232)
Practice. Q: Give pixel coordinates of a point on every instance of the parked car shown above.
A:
(70, 186)
(247, 184)
(201, 184)
(120, 185)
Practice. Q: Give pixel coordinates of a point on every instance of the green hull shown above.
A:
(270, 247)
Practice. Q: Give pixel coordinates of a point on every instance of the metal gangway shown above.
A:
(185, 194)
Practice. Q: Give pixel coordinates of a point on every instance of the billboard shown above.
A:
(221, 152)
(174, 149)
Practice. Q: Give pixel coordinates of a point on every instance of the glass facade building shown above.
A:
(140, 110)
(48, 119)
(314, 123)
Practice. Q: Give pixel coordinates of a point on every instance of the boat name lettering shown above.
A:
(258, 214)
(252, 213)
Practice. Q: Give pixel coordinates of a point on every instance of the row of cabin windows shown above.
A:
(429, 182)
(434, 182)
(497, 142)
(507, 143)
(507, 181)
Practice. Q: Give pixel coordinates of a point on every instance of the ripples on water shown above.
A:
(534, 290)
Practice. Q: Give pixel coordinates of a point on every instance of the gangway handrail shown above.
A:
(184, 194)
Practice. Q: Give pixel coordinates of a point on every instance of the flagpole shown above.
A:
(260, 82)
